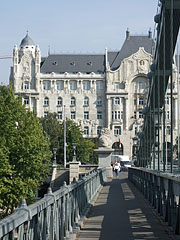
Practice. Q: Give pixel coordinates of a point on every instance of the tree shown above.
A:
(24, 152)
(84, 147)
(51, 126)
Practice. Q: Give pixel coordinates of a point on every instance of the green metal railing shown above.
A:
(57, 215)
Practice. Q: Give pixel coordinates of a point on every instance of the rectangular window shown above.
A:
(135, 101)
(119, 115)
(26, 100)
(135, 130)
(45, 114)
(115, 115)
(167, 115)
(135, 115)
(59, 115)
(86, 85)
(117, 130)
(26, 85)
(168, 130)
(141, 85)
(140, 114)
(86, 115)
(99, 85)
(112, 115)
(73, 85)
(99, 130)
(99, 115)
(73, 115)
(46, 85)
(117, 85)
(141, 101)
(99, 101)
(60, 85)
(86, 131)
(117, 100)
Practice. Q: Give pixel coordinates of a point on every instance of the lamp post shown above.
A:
(135, 146)
(54, 152)
(74, 153)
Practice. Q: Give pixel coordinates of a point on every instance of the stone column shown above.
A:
(108, 112)
(73, 171)
(104, 159)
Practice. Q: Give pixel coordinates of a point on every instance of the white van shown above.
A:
(124, 161)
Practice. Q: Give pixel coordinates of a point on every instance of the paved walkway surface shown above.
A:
(121, 212)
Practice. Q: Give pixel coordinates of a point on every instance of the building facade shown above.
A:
(96, 91)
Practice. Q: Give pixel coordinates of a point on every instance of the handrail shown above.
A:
(57, 215)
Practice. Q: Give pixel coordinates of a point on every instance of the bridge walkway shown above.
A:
(121, 212)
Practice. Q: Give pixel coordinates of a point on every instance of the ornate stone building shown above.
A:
(96, 91)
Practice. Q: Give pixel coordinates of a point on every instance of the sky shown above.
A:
(71, 26)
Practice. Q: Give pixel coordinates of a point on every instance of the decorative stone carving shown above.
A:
(105, 140)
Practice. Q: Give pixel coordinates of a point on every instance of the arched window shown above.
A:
(99, 101)
(73, 101)
(86, 101)
(46, 101)
(59, 101)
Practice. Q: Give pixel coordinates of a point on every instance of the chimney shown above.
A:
(150, 33)
(127, 33)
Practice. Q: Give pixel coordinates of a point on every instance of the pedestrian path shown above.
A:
(121, 212)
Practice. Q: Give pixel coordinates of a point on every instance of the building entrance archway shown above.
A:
(118, 148)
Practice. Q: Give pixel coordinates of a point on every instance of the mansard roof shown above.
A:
(130, 46)
(93, 62)
(74, 63)
(26, 41)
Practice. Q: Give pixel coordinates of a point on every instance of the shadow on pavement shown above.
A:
(121, 212)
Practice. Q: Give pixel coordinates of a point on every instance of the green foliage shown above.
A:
(24, 152)
(55, 131)
(51, 126)
(84, 147)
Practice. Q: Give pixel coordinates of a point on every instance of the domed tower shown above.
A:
(26, 66)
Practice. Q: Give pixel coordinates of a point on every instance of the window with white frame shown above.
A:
(45, 114)
(46, 85)
(117, 85)
(99, 115)
(86, 115)
(117, 101)
(99, 130)
(73, 101)
(141, 101)
(99, 101)
(73, 115)
(99, 85)
(135, 101)
(135, 86)
(86, 130)
(60, 85)
(167, 115)
(46, 101)
(73, 85)
(26, 85)
(59, 116)
(141, 84)
(86, 101)
(26, 100)
(135, 115)
(59, 101)
(140, 114)
(86, 85)
(117, 130)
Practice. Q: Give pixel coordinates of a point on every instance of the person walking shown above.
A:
(117, 168)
